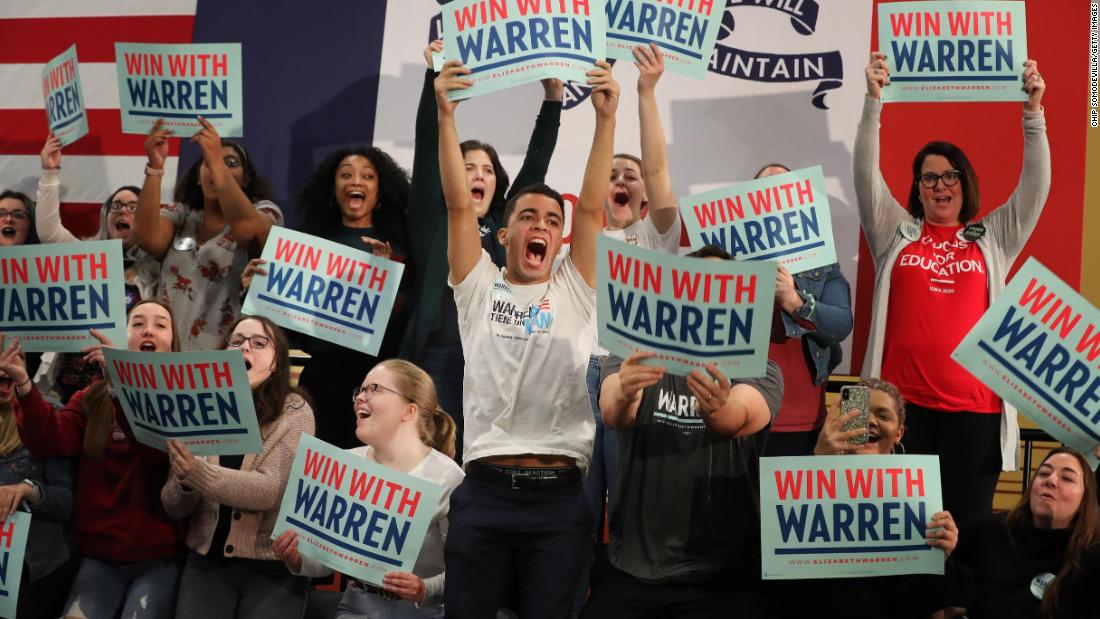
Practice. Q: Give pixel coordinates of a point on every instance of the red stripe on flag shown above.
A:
(38, 40)
(25, 133)
(81, 218)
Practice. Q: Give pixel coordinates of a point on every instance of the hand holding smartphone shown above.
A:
(856, 398)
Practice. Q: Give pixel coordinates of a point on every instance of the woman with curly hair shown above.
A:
(220, 217)
(356, 197)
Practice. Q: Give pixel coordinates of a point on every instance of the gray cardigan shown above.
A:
(1007, 230)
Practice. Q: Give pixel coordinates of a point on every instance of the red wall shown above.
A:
(991, 136)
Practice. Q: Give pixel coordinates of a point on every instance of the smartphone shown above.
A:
(856, 398)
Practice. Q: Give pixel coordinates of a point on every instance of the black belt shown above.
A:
(380, 592)
(523, 478)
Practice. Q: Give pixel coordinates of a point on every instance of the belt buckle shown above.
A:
(518, 476)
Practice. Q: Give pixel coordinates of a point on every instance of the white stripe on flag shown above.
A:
(85, 178)
(23, 86)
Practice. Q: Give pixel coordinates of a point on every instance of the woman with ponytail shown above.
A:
(1043, 558)
(399, 420)
(130, 547)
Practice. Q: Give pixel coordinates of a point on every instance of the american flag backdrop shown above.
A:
(34, 32)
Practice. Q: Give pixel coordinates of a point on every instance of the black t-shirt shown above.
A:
(688, 502)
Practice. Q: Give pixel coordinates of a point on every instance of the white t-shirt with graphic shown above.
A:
(527, 349)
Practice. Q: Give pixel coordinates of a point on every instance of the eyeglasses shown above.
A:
(16, 214)
(950, 179)
(116, 207)
(256, 342)
(372, 389)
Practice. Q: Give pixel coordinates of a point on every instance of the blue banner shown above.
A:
(201, 399)
(685, 31)
(354, 515)
(689, 311)
(52, 295)
(848, 516)
(13, 542)
(65, 113)
(1038, 347)
(325, 289)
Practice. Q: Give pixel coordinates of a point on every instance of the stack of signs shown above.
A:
(848, 516)
(65, 112)
(325, 289)
(689, 311)
(685, 31)
(1038, 347)
(52, 295)
(201, 399)
(505, 43)
(13, 542)
(953, 51)
(179, 83)
(354, 515)
(783, 218)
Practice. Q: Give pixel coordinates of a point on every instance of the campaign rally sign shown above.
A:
(685, 30)
(1038, 347)
(354, 515)
(784, 218)
(13, 542)
(689, 311)
(848, 516)
(179, 83)
(51, 295)
(325, 289)
(65, 114)
(201, 399)
(953, 51)
(505, 43)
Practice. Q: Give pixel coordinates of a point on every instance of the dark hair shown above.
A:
(497, 203)
(889, 389)
(321, 213)
(255, 187)
(958, 160)
(271, 396)
(541, 189)
(1085, 530)
(106, 209)
(32, 233)
(770, 165)
(711, 251)
(98, 406)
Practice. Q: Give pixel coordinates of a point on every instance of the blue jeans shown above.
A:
(239, 589)
(602, 482)
(534, 541)
(140, 589)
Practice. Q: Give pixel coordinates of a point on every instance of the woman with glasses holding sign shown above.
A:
(66, 373)
(220, 218)
(937, 269)
(398, 418)
(233, 501)
(129, 545)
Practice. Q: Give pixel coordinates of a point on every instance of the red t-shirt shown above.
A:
(939, 289)
(803, 407)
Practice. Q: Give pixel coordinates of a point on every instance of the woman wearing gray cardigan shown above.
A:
(937, 269)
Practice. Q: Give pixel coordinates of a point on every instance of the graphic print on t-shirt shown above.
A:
(534, 318)
(676, 410)
(946, 258)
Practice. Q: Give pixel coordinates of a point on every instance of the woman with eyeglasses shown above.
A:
(129, 546)
(66, 373)
(399, 420)
(17, 228)
(220, 218)
(937, 269)
(233, 501)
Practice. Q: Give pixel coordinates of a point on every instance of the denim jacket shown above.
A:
(47, 544)
(832, 315)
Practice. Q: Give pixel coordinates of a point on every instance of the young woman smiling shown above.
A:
(233, 501)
